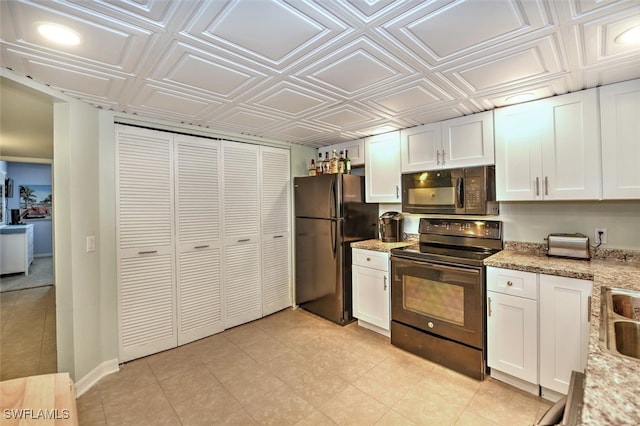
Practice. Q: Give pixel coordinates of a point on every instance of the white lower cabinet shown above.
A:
(512, 325)
(564, 329)
(371, 290)
(537, 329)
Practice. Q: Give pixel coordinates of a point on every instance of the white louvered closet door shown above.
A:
(145, 238)
(276, 226)
(242, 263)
(199, 286)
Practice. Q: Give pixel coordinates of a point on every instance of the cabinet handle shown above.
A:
(438, 157)
(277, 236)
(148, 252)
(589, 309)
(537, 186)
(244, 240)
(397, 192)
(385, 283)
(509, 283)
(489, 306)
(368, 259)
(443, 160)
(546, 185)
(201, 247)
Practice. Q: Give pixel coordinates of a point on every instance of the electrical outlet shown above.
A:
(601, 238)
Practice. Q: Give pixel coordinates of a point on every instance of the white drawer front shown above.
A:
(370, 259)
(516, 283)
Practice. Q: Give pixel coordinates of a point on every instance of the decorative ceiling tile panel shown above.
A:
(319, 72)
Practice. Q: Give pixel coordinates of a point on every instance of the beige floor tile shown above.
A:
(280, 407)
(290, 366)
(206, 407)
(393, 418)
(351, 406)
(253, 384)
(131, 376)
(318, 387)
(172, 362)
(265, 350)
(469, 418)
(245, 335)
(504, 405)
(316, 418)
(386, 386)
(180, 387)
(218, 347)
(226, 369)
(142, 406)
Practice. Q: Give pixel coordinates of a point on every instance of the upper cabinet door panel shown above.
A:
(620, 120)
(571, 152)
(420, 148)
(468, 141)
(518, 169)
(144, 162)
(382, 171)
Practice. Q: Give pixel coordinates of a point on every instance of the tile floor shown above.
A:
(293, 368)
(27, 332)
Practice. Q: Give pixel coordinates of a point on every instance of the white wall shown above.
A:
(533, 221)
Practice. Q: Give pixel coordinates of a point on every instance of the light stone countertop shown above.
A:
(612, 384)
(377, 245)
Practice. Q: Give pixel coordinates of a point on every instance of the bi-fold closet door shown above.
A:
(203, 234)
(169, 240)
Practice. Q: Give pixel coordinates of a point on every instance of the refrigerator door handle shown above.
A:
(334, 237)
(332, 200)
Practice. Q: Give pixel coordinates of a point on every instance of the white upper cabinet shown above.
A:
(468, 141)
(620, 120)
(459, 142)
(420, 148)
(355, 148)
(549, 149)
(382, 168)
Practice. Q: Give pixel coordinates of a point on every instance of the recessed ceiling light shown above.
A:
(59, 34)
(520, 97)
(631, 36)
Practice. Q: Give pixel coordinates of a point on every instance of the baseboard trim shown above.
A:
(104, 369)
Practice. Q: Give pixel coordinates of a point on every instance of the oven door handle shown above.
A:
(466, 268)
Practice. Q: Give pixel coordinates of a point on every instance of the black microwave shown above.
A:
(470, 190)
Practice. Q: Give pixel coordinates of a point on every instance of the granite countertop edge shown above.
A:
(612, 384)
(377, 245)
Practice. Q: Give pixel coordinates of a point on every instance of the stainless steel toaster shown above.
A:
(575, 246)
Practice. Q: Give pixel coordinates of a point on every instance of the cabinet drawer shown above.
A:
(516, 283)
(371, 259)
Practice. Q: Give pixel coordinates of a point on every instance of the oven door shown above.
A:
(445, 300)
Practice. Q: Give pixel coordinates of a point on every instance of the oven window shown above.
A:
(433, 298)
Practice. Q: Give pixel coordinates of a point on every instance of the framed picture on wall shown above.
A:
(35, 201)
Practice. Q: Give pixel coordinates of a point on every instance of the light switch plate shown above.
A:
(91, 243)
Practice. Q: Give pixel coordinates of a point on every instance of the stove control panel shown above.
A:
(491, 229)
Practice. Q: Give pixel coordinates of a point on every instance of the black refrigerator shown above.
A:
(331, 213)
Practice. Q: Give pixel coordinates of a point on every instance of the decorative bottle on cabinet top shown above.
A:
(312, 168)
(347, 162)
(341, 168)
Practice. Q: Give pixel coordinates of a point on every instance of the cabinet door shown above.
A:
(145, 242)
(512, 335)
(620, 115)
(518, 130)
(276, 224)
(199, 271)
(382, 171)
(564, 329)
(468, 141)
(371, 296)
(420, 148)
(571, 148)
(242, 260)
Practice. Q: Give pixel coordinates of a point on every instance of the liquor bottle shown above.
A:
(333, 163)
(347, 162)
(325, 164)
(341, 168)
(319, 165)
(312, 168)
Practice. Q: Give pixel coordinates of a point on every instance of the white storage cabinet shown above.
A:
(512, 327)
(549, 149)
(16, 249)
(371, 290)
(382, 168)
(620, 115)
